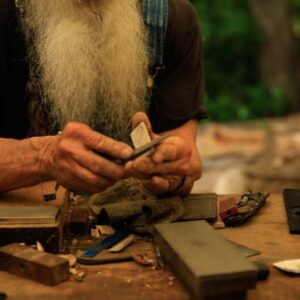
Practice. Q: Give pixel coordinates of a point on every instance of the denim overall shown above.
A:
(155, 15)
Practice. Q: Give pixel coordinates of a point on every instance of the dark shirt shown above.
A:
(178, 95)
(13, 74)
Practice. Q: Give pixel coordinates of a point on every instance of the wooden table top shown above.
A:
(266, 232)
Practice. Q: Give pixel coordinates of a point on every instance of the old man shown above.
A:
(82, 67)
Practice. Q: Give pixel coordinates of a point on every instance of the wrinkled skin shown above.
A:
(174, 159)
(77, 159)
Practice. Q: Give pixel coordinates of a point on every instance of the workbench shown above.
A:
(266, 232)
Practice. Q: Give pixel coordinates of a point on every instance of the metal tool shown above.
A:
(292, 207)
(137, 152)
(106, 243)
(141, 150)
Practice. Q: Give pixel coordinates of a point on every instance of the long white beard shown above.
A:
(92, 57)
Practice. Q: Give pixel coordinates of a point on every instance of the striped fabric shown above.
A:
(155, 14)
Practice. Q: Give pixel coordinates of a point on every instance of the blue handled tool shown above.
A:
(106, 243)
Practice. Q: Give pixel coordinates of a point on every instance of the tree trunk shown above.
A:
(279, 57)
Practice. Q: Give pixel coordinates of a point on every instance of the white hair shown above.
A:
(92, 60)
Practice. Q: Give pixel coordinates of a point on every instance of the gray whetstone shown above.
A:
(30, 224)
(28, 214)
(200, 207)
(204, 262)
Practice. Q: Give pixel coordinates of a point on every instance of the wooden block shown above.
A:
(79, 220)
(203, 261)
(29, 263)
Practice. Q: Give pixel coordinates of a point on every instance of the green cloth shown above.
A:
(128, 204)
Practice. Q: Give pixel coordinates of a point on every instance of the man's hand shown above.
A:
(77, 159)
(173, 167)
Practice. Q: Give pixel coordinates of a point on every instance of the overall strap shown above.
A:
(155, 14)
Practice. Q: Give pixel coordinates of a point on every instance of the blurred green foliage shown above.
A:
(296, 7)
(231, 51)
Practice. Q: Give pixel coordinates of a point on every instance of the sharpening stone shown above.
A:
(31, 224)
(140, 135)
(206, 264)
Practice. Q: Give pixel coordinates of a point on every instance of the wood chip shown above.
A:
(105, 229)
(70, 258)
(74, 242)
(95, 233)
(219, 225)
(78, 275)
(143, 259)
(39, 247)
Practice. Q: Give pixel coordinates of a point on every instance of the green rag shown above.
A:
(128, 203)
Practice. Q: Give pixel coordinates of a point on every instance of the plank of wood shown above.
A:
(203, 261)
(29, 263)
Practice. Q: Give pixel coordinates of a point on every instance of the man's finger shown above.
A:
(141, 117)
(77, 178)
(130, 171)
(156, 185)
(97, 142)
(99, 165)
(188, 185)
(146, 166)
(173, 148)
